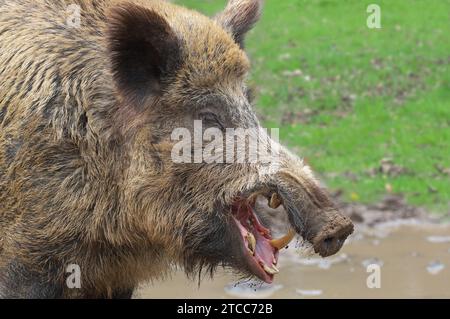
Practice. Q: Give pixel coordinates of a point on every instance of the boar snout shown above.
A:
(313, 215)
(329, 230)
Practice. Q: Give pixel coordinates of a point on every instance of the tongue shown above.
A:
(265, 253)
(264, 250)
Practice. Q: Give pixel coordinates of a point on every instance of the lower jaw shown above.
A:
(260, 273)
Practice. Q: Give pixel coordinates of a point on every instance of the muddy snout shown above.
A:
(314, 216)
(332, 233)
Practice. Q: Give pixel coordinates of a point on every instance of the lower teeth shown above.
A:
(271, 270)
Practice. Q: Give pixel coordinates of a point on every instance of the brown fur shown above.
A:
(85, 169)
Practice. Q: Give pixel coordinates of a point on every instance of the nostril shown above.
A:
(332, 238)
(328, 241)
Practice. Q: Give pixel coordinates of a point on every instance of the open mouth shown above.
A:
(260, 249)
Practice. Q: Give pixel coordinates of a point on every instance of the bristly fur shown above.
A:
(249, 12)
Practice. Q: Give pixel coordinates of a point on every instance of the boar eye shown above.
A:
(211, 119)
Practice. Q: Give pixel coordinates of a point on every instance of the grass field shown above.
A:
(347, 97)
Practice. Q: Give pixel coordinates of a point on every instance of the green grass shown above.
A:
(361, 94)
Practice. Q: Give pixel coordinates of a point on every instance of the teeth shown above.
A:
(274, 201)
(270, 270)
(251, 242)
(282, 242)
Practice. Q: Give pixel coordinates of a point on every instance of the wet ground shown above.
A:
(411, 250)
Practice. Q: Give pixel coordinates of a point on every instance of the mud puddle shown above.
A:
(414, 261)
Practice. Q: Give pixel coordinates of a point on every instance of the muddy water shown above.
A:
(414, 262)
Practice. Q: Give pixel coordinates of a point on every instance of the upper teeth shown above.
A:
(251, 242)
(274, 201)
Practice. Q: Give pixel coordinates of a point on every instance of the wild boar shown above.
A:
(87, 175)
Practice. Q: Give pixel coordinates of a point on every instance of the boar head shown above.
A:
(171, 67)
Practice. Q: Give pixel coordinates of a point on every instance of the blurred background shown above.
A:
(369, 110)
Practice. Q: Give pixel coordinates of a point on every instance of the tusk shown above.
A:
(270, 270)
(282, 242)
(274, 201)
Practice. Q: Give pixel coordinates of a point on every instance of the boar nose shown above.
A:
(332, 237)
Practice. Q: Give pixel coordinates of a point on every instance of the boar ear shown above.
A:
(144, 50)
(239, 17)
